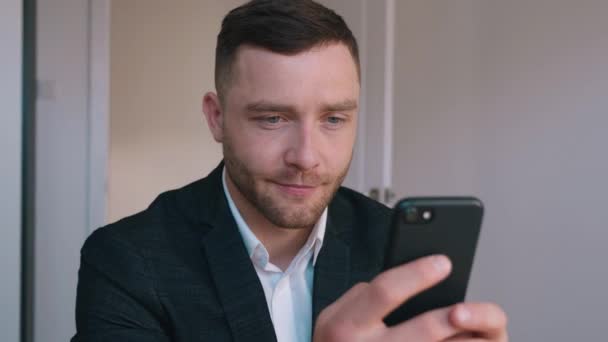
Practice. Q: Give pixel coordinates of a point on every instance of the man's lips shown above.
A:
(296, 189)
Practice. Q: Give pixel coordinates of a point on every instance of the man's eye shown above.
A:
(335, 120)
(272, 119)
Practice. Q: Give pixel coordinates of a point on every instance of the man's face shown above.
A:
(288, 129)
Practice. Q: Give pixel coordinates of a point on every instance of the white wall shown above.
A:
(544, 114)
(11, 19)
(436, 97)
(506, 100)
(162, 58)
(62, 161)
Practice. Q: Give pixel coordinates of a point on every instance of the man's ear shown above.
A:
(214, 115)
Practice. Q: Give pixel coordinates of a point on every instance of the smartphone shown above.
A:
(423, 226)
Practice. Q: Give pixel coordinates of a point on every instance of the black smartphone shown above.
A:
(423, 226)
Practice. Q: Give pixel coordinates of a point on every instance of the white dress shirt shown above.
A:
(288, 293)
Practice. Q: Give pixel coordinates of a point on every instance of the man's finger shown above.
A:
(345, 300)
(432, 325)
(393, 287)
(485, 319)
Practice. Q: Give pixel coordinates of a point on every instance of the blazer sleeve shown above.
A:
(116, 300)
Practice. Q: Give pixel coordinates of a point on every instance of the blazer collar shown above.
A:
(236, 281)
(332, 270)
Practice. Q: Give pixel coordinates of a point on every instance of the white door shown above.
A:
(11, 140)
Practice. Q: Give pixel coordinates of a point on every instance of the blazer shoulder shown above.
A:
(361, 221)
(171, 214)
(127, 232)
(354, 204)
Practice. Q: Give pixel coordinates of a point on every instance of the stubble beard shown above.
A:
(281, 213)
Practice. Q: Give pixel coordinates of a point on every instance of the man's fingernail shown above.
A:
(441, 263)
(463, 314)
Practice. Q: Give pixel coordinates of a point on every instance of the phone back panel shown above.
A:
(453, 231)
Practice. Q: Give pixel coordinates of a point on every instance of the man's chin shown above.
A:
(288, 210)
(295, 216)
(294, 224)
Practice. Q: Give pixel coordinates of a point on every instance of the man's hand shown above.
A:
(358, 314)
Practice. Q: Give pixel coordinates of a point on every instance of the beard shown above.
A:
(262, 194)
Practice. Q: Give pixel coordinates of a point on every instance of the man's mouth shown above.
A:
(299, 190)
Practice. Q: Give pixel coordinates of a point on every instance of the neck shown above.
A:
(281, 243)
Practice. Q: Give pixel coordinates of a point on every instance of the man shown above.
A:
(268, 246)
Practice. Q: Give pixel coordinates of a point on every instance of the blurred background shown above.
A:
(504, 100)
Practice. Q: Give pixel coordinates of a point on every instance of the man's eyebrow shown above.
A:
(265, 106)
(343, 106)
(270, 107)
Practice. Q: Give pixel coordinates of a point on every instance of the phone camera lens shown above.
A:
(411, 215)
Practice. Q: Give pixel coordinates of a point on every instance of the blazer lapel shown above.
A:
(332, 270)
(238, 286)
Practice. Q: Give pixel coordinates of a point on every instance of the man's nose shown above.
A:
(302, 151)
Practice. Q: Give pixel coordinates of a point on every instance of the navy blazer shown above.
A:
(179, 270)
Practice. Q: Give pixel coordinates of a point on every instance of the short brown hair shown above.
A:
(282, 26)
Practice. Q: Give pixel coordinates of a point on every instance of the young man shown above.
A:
(268, 246)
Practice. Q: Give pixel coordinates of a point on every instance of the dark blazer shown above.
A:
(179, 270)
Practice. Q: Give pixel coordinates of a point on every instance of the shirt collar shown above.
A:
(254, 246)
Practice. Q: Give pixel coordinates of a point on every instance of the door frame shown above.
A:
(99, 110)
(11, 139)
